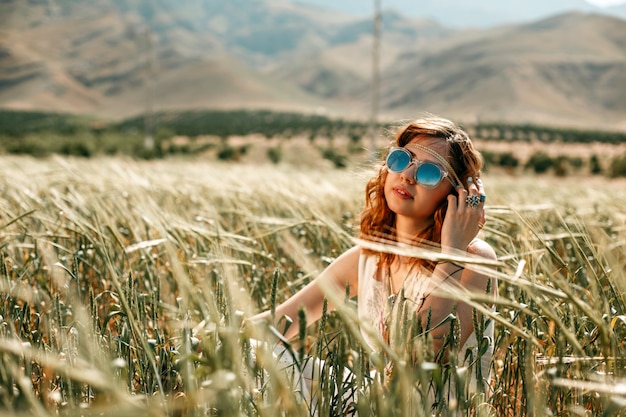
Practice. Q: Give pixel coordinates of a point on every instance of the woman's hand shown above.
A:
(463, 221)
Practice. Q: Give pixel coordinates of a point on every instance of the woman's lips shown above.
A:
(402, 193)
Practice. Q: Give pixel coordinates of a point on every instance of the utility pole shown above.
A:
(144, 37)
(373, 122)
(148, 141)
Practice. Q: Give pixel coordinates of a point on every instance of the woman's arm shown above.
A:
(458, 233)
(341, 272)
(441, 306)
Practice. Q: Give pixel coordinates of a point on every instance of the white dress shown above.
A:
(372, 299)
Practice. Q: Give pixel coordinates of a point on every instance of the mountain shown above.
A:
(100, 57)
(218, 83)
(558, 70)
(115, 58)
(568, 69)
(345, 62)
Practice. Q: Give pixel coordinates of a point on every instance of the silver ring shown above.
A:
(472, 200)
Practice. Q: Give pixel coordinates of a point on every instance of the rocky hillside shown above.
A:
(117, 58)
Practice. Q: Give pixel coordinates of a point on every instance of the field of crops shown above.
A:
(124, 284)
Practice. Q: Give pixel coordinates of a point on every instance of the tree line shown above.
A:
(44, 133)
(225, 123)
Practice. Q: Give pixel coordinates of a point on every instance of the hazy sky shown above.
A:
(479, 13)
(603, 3)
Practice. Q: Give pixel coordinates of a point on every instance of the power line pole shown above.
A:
(142, 34)
(373, 131)
(148, 141)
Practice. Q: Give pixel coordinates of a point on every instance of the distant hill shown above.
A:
(218, 83)
(98, 58)
(563, 69)
(345, 63)
(116, 58)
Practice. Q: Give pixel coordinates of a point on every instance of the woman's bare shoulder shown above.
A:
(472, 278)
(481, 248)
(347, 262)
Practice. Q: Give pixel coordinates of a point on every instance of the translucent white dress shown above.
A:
(374, 310)
(372, 298)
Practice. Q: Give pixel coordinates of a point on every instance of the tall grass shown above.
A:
(124, 285)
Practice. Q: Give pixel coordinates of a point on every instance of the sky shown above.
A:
(605, 3)
(478, 13)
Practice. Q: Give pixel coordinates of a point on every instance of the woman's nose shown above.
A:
(408, 174)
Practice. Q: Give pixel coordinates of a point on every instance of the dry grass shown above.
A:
(124, 284)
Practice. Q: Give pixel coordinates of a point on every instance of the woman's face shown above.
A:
(410, 200)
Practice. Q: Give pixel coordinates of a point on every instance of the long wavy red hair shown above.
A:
(378, 221)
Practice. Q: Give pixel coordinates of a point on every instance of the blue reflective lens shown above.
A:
(398, 160)
(427, 174)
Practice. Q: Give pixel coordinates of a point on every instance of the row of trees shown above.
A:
(546, 134)
(225, 123)
(41, 134)
(561, 165)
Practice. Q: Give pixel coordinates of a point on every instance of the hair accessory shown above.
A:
(472, 200)
(470, 179)
(483, 198)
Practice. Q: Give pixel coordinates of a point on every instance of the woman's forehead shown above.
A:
(436, 144)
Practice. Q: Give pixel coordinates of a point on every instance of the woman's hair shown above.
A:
(377, 220)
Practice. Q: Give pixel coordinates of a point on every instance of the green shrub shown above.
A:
(540, 162)
(508, 160)
(561, 165)
(489, 158)
(576, 162)
(504, 160)
(243, 149)
(594, 165)
(336, 157)
(179, 149)
(275, 154)
(27, 146)
(76, 148)
(355, 136)
(228, 153)
(618, 166)
(355, 148)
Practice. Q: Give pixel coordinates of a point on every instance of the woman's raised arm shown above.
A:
(341, 272)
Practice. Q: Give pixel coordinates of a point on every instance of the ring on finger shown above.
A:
(472, 200)
(483, 197)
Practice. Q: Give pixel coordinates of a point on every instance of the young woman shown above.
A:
(428, 194)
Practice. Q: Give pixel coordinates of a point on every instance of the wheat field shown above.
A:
(124, 285)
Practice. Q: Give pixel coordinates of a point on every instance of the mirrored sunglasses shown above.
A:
(427, 173)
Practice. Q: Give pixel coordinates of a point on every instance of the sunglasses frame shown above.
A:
(418, 163)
